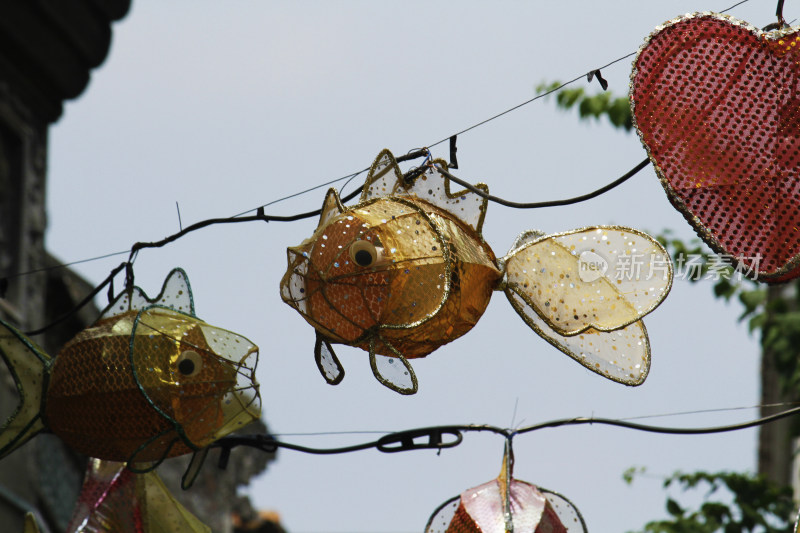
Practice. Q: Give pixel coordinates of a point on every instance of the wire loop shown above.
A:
(405, 440)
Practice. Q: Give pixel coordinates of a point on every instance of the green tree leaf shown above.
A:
(746, 504)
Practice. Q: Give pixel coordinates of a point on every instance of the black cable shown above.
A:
(734, 5)
(189, 229)
(405, 440)
(260, 216)
(83, 302)
(552, 203)
(662, 429)
(267, 443)
(411, 155)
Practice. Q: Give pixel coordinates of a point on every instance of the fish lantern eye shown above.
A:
(364, 253)
(189, 363)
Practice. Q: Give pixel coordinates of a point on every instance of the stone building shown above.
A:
(48, 49)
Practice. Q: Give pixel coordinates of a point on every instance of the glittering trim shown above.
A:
(780, 274)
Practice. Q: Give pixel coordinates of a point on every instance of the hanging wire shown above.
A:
(707, 411)
(537, 97)
(260, 216)
(402, 158)
(89, 297)
(779, 14)
(433, 437)
(513, 423)
(64, 265)
(552, 203)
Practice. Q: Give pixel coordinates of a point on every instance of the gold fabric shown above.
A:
(430, 286)
(116, 389)
(426, 275)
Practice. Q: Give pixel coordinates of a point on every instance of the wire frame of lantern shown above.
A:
(150, 380)
(507, 505)
(442, 519)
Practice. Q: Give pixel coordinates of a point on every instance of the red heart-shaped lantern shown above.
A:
(716, 103)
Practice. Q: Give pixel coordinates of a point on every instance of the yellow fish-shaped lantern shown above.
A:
(406, 270)
(149, 380)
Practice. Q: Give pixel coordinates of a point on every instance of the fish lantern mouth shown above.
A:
(198, 377)
(293, 284)
(338, 293)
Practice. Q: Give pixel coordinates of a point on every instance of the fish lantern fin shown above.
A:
(30, 525)
(113, 494)
(194, 467)
(384, 178)
(29, 366)
(331, 206)
(393, 371)
(526, 237)
(566, 511)
(176, 294)
(585, 292)
(434, 187)
(443, 515)
(327, 362)
(163, 511)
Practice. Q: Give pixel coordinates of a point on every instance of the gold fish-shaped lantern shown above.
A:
(507, 505)
(407, 270)
(149, 380)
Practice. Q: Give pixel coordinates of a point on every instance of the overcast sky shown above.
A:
(223, 107)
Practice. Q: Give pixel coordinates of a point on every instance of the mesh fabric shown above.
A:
(716, 104)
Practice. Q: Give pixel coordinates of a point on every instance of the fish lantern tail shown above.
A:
(29, 366)
(585, 291)
(113, 498)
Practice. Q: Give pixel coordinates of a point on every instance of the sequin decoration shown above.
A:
(407, 270)
(715, 102)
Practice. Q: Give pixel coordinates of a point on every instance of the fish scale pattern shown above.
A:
(119, 391)
(92, 388)
(431, 285)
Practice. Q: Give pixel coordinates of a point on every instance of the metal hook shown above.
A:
(781, 21)
(404, 440)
